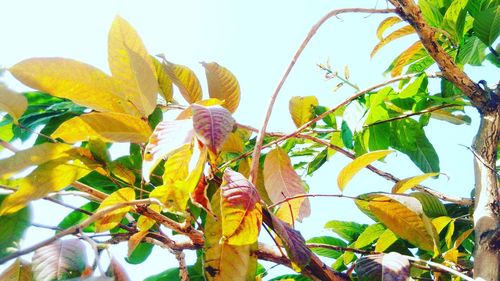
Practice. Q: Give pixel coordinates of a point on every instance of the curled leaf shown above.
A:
(212, 125)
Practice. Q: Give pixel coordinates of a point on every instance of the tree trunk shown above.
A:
(486, 207)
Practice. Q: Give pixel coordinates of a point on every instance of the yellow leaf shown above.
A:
(185, 79)
(13, 103)
(49, 177)
(403, 31)
(346, 72)
(302, 109)
(462, 237)
(233, 143)
(108, 126)
(177, 165)
(445, 115)
(132, 66)
(404, 216)
(405, 57)
(451, 255)
(33, 156)
(385, 240)
(385, 24)
(120, 171)
(145, 223)
(222, 85)
(112, 219)
(440, 223)
(405, 184)
(135, 239)
(357, 164)
(281, 182)
(223, 261)
(164, 81)
(70, 79)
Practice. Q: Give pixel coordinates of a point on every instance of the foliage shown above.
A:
(193, 170)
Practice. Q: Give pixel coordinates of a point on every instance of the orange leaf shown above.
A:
(405, 57)
(403, 31)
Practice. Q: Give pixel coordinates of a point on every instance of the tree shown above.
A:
(203, 175)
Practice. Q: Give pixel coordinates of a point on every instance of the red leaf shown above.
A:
(212, 125)
(199, 195)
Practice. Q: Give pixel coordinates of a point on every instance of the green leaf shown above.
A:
(172, 274)
(369, 235)
(419, 86)
(432, 206)
(317, 162)
(349, 231)
(60, 260)
(328, 240)
(329, 119)
(76, 217)
(290, 277)
(386, 239)
(487, 24)
(409, 138)
(472, 51)
(140, 253)
(454, 19)
(346, 135)
(13, 228)
(430, 12)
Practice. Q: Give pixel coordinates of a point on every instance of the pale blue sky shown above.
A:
(255, 40)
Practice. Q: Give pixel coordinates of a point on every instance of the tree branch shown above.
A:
(314, 29)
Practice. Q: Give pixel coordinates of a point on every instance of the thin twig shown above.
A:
(404, 116)
(75, 229)
(440, 266)
(258, 145)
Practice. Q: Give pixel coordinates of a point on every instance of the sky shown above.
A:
(256, 41)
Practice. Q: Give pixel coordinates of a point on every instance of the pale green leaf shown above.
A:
(13, 228)
(369, 235)
(357, 164)
(454, 19)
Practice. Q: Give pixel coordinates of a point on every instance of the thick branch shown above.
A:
(314, 29)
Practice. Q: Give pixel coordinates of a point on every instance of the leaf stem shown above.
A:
(440, 266)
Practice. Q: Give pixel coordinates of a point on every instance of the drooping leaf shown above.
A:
(385, 24)
(349, 231)
(49, 177)
(164, 81)
(329, 253)
(405, 184)
(431, 205)
(20, 270)
(109, 126)
(13, 103)
(369, 235)
(302, 109)
(357, 164)
(60, 260)
(221, 260)
(405, 217)
(405, 57)
(79, 82)
(212, 125)
(222, 85)
(13, 227)
(167, 138)
(403, 31)
(346, 135)
(33, 156)
(240, 209)
(132, 67)
(112, 219)
(185, 79)
(281, 182)
(392, 266)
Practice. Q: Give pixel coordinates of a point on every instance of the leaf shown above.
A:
(385, 24)
(177, 165)
(172, 274)
(76, 217)
(145, 223)
(134, 241)
(472, 51)
(20, 270)
(13, 103)
(60, 260)
(290, 277)
(404, 216)
(302, 109)
(82, 83)
(329, 253)
(349, 231)
(369, 235)
(240, 209)
(221, 260)
(392, 266)
(405, 184)
(404, 58)
(46, 178)
(234, 143)
(430, 12)
(167, 138)
(432, 206)
(281, 182)
(132, 66)
(222, 85)
(164, 81)
(440, 223)
(386, 239)
(346, 134)
(112, 219)
(403, 31)
(212, 125)
(454, 19)
(357, 164)
(109, 126)
(418, 86)
(117, 271)
(33, 156)
(140, 254)
(318, 161)
(456, 119)
(185, 79)
(199, 195)
(13, 228)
